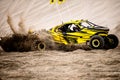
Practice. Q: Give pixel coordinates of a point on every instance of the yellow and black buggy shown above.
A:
(84, 31)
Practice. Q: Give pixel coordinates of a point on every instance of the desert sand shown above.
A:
(54, 64)
(60, 65)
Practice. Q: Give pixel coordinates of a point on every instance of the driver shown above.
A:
(73, 28)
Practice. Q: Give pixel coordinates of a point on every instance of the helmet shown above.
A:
(71, 27)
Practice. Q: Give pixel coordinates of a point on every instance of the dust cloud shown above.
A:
(28, 40)
(47, 38)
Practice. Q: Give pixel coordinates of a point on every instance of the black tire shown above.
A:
(113, 41)
(97, 42)
(41, 46)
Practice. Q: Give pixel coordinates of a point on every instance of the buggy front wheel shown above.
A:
(97, 42)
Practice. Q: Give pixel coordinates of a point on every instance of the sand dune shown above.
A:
(58, 64)
(41, 15)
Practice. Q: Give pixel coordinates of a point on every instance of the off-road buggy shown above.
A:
(84, 31)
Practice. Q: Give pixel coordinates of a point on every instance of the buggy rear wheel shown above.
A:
(113, 41)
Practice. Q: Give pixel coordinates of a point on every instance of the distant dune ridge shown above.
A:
(41, 15)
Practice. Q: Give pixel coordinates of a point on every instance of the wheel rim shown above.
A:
(41, 46)
(96, 43)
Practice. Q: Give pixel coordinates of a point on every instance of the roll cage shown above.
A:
(71, 27)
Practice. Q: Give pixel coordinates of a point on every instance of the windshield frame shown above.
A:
(91, 25)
